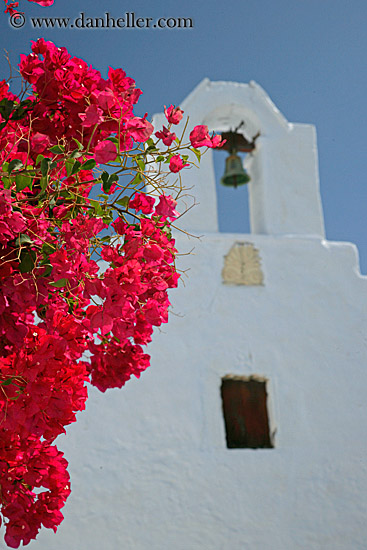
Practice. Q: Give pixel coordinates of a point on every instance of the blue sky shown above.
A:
(309, 55)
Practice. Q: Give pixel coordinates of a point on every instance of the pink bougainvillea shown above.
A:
(173, 114)
(60, 213)
(199, 137)
(176, 163)
(166, 136)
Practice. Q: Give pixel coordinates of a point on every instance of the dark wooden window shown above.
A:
(245, 412)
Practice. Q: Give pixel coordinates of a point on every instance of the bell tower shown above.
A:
(284, 188)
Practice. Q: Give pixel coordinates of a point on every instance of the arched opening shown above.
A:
(231, 181)
(233, 203)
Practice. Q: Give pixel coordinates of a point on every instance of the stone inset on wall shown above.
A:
(242, 265)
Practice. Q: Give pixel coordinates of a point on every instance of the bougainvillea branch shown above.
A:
(74, 163)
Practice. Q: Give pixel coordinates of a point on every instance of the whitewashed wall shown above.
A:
(149, 463)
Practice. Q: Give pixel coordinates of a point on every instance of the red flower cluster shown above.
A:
(80, 103)
(55, 304)
(173, 114)
(199, 137)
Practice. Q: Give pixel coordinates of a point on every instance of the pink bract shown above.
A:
(173, 114)
(105, 151)
(44, 3)
(176, 164)
(166, 136)
(166, 207)
(199, 137)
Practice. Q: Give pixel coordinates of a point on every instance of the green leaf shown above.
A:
(69, 166)
(197, 153)
(76, 167)
(113, 139)
(89, 164)
(22, 109)
(138, 178)
(15, 164)
(47, 271)
(57, 149)
(60, 283)
(64, 193)
(75, 154)
(160, 158)
(43, 183)
(123, 202)
(107, 218)
(104, 176)
(93, 203)
(23, 239)
(141, 164)
(45, 165)
(22, 181)
(39, 159)
(80, 146)
(6, 182)
(150, 146)
(107, 184)
(7, 382)
(151, 149)
(6, 108)
(48, 249)
(27, 260)
(98, 211)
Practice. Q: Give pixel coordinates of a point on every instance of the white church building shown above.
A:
(249, 431)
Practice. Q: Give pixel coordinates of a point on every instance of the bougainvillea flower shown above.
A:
(142, 202)
(40, 142)
(166, 136)
(105, 151)
(166, 207)
(43, 3)
(140, 129)
(11, 7)
(176, 163)
(106, 99)
(92, 116)
(173, 114)
(199, 137)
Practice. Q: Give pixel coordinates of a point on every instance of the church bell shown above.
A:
(234, 174)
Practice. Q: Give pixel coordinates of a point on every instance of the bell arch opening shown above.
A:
(232, 202)
(240, 127)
